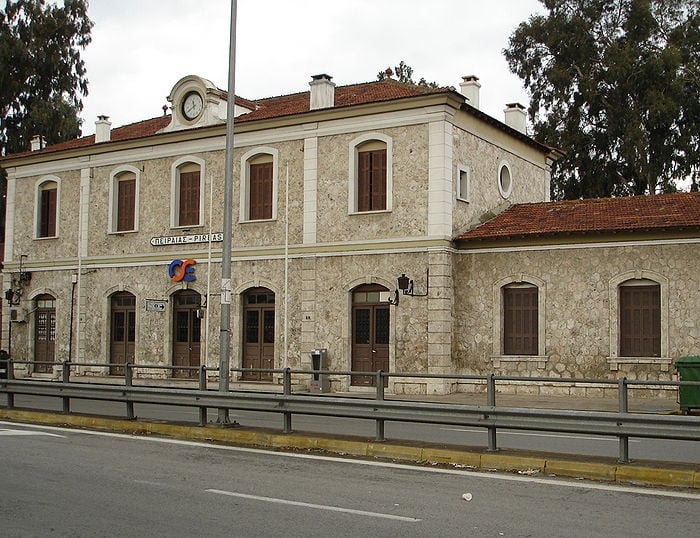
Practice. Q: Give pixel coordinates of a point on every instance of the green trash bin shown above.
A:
(688, 370)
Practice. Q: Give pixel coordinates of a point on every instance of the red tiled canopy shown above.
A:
(601, 215)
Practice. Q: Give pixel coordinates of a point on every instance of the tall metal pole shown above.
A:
(225, 330)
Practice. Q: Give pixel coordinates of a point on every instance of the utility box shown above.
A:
(319, 362)
(688, 370)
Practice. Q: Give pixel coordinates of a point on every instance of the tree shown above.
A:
(615, 85)
(42, 76)
(404, 74)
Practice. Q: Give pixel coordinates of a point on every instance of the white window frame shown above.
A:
(37, 205)
(505, 191)
(353, 168)
(244, 205)
(113, 198)
(498, 356)
(614, 359)
(466, 170)
(175, 190)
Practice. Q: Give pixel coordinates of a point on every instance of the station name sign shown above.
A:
(186, 239)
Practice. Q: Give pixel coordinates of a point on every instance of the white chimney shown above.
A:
(102, 129)
(322, 92)
(516, 117)
(37, 143)
(470, 89)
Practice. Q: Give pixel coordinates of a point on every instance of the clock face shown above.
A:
(192, 105)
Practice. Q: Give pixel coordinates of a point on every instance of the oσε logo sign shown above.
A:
(179, 270)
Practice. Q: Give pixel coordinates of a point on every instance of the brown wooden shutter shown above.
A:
(379, 180)
(47, 223)
(364, 180)
(126, 204)
(260, 190)
(189, 199)
(640, 321)
(520, 324)
(371, 180)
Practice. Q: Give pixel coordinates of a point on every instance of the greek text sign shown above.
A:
(186, 239)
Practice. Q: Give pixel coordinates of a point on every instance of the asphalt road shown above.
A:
(640, 449)
(61, 483)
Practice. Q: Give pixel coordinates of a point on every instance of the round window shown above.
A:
(505, 181)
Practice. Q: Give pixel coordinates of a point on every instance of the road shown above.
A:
(62, 483)
(640, 449)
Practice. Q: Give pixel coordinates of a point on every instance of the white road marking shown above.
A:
(467, 473)
(315, 506)
(530, 434)
(20, 433)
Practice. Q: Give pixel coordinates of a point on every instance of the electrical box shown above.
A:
(319, 362)
(18, 315)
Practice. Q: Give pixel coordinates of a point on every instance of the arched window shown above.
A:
(639, 318)
(124, 199)
(187, 206)
(47, 199)
(370, 174)
(259, 184)
(520, 319)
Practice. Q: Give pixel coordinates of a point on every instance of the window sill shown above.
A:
(615, 362)
(255, 221)
(122, 232)
(45, 238)
(540, 360)
(186, 227)
(379, 212)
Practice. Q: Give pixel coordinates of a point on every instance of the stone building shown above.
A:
(113, 245)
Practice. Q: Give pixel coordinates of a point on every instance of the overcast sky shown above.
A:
(141, 48)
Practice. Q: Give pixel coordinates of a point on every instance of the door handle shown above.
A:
(374, 351)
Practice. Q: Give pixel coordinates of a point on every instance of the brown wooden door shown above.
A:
(187, 332)
(123, 331)
(370, 335)
(45, 333)
(258, 333)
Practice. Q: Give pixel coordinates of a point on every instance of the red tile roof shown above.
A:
(268, 108)
(601, 215)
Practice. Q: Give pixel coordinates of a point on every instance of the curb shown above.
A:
(677, 475)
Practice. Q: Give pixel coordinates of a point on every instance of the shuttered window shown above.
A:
(371, 180)
(47, 210)
(189, 199)
(640, 321)
(126, 204)
(260, 190)
(520, 325)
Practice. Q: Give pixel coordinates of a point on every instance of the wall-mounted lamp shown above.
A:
(405, 286)
(14, 294)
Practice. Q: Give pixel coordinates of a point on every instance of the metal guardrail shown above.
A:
(621, 424)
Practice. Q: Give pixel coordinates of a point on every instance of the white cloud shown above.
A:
(140, 48)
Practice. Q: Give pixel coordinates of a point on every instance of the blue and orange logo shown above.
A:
(179, 270)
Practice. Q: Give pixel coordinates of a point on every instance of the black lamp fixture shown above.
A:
(405, 286)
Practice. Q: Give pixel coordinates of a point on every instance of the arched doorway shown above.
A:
(122, 330)
(258, 333)
(44, 333)
(370, 333)
(187, 331)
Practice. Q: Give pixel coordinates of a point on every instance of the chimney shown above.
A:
(37, 143)
(322, 92)
(102, 129)
(516, 117)
(470, 89)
